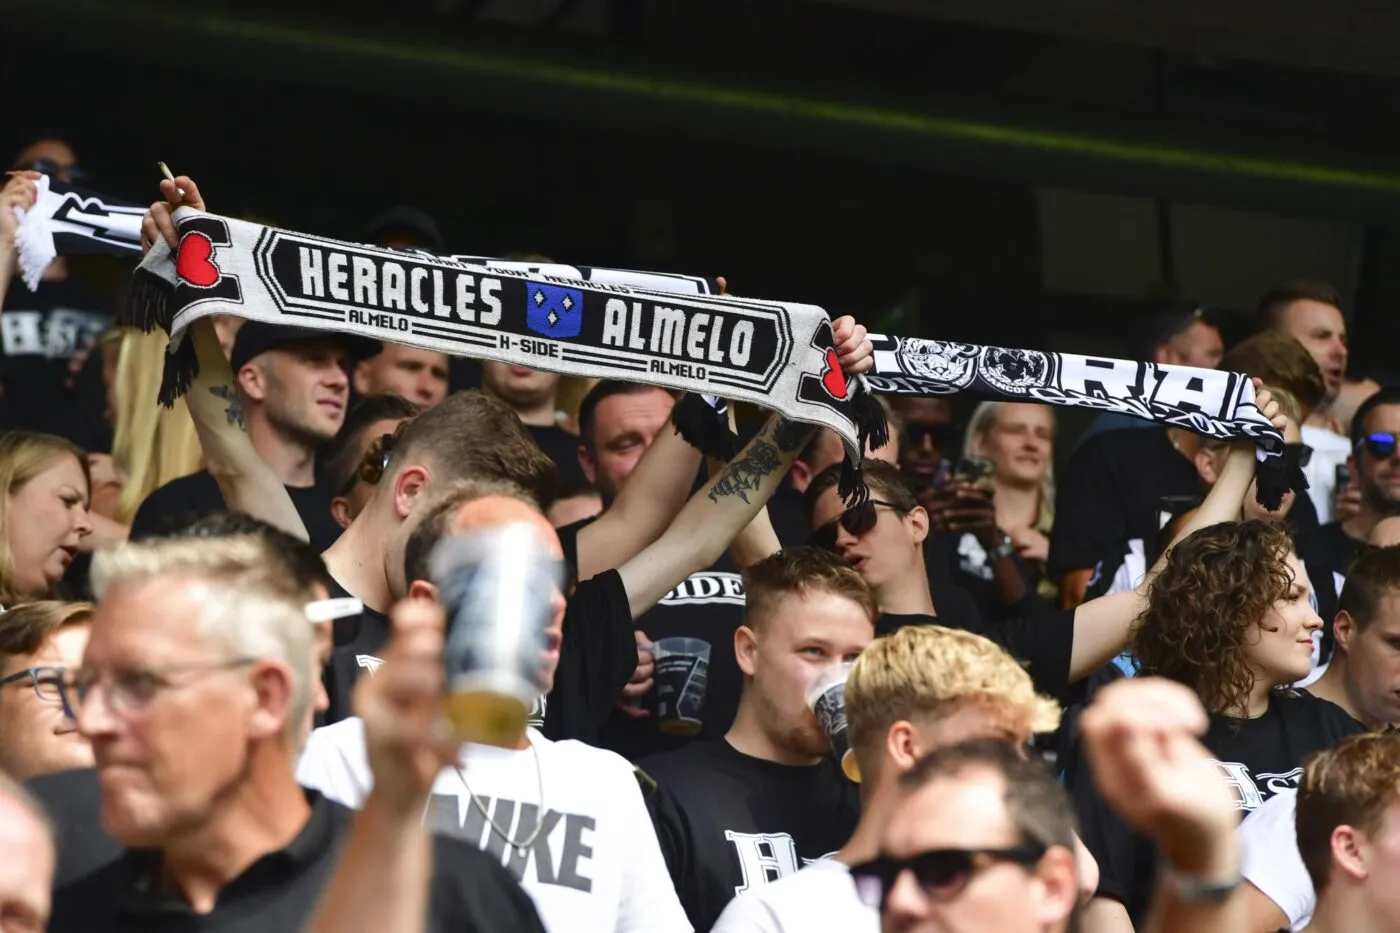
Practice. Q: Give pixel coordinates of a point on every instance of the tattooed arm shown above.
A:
(246, 481)
(646, 504)
(714, 515)
(758, 539)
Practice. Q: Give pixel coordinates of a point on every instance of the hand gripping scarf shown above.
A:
(1215, 404)
(68, 221)
(778, 355)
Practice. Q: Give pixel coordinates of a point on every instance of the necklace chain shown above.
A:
(523, 845)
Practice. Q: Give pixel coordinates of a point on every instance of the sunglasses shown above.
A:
(54, 169)
(942, 436)
(1300, 453)
(942, 874)
(1379, 444)
(375, 462)
(857, 520)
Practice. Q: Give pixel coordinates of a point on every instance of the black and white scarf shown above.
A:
(69, 221)
(670, 330)
(778, 355)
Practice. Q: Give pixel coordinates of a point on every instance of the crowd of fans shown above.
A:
(1118, 696)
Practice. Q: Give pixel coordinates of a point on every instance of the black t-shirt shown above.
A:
(729, 822)
(597, 657)
(181, 501)
(280, 891)
(73, 801)
(1110, 494)
(357, 644)
(708, 605)
(39, 334)
(1043, 644)
(971, 567)
(1256, 757)
(561, 447)
(1336, 550)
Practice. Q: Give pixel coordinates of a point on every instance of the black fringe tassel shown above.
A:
(181, 368)
(704, 428)
(870, 419)
(148, 302)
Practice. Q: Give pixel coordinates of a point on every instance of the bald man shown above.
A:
(26, 871)
(567, 819)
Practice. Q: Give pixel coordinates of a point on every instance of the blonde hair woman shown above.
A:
(152, 444)
(1019, 439)
(44, 512)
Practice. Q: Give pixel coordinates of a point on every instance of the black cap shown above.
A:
(256, 337)
(411, 220)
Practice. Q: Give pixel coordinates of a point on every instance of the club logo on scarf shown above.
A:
(829, 386)
(948, 364)
(553, 311)
(1015, 372)
(198, 276)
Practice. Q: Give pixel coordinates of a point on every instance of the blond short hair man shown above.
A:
(923, 688)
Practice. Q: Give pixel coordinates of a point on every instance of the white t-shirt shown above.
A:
(821, 896)
(595, 868)
(1271, 860)
(1329, 449)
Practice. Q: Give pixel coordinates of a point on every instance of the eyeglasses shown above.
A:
(942, 874)
(942, 436)
(377, 458)
(54, 169)
(48, 684)
(1379, 444)
(133, 689)
(857, 520)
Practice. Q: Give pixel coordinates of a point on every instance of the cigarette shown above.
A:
(170, 176)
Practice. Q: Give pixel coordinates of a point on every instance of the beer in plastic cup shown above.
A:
(827, 698)
(497, 588)
(681, 673)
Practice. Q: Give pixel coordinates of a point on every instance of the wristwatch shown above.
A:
(1198, 889)
(1006, 548)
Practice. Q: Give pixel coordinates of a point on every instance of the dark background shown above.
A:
(1002, 171)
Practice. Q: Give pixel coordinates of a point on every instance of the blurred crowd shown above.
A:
(1117, 695)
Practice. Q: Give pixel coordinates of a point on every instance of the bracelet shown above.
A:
(1198, 889)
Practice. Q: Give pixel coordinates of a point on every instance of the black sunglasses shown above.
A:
(857, 520)
(54, 169)
(942, 874)
(1380, 444)
(943, 436)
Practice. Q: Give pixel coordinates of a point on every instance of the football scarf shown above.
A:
(778, 355)
(68, 221)
(1215, 404)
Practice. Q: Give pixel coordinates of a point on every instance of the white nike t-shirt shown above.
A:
(821, 896)
(596, 865)
(1271, 860)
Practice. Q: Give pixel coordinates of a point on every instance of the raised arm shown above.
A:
(715, 515)
(658, 488)
(216, 407)
(17, 192)
(1103, 626)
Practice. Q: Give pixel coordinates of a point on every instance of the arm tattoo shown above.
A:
(745, 474)
(791, 435)
(234, 411)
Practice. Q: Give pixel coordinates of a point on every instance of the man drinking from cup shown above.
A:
(740, 812)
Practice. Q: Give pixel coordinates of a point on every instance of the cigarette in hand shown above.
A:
(170, 176)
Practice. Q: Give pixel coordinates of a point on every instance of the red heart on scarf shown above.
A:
(833, 380)
(195, 262)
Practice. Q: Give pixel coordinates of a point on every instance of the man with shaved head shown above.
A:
(26, 871)
(567, 819)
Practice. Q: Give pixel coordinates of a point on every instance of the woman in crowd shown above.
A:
(1228, 616)
(44, 513)
(39, 644)
(152, 444)
(1000, 525)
